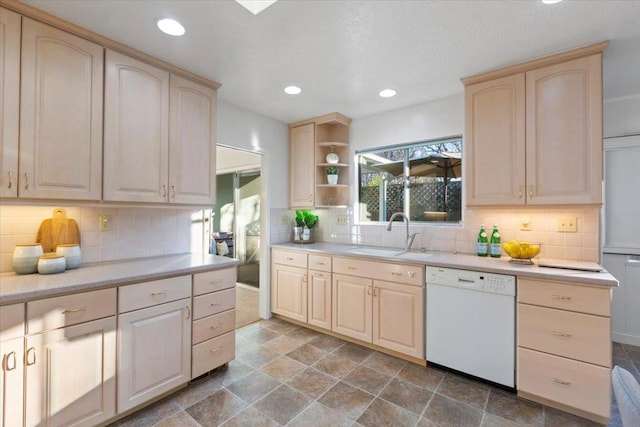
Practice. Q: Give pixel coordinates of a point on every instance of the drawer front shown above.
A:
(206, 305)
(212, 326)
(564, 333)
(213, 353)
(58, 312)
(583, 299)
(577, 384)
(292, 258)
(148, 294)
(11, 321)
(213, 281)
(400, 273)
(320, 262)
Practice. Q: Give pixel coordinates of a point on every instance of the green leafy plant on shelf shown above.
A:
(304, 218)
(333, 170)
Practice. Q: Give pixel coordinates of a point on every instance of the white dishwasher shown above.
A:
(471, 323)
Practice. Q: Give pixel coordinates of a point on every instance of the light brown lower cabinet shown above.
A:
(289, 291)
(70, 375)
(386, 314)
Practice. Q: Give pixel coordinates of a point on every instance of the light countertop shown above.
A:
(462, 261)
(16, 288)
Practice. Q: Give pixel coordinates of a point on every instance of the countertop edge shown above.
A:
(16, 289)
(465, 261)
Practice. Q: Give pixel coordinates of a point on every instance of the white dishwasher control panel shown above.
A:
(474, 280)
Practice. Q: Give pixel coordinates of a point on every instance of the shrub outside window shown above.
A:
(423, 180)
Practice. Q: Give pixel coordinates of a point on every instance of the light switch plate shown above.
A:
(525, 224)
(104, 222)
(568, 225)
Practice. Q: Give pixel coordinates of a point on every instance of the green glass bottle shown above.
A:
(495, 247)
(483, 242)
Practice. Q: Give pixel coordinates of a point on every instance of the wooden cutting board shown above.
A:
(58, 230)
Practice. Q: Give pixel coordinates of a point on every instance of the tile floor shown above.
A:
(287, 375)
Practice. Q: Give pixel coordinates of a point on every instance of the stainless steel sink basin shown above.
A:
(386, 252)
(416, 255)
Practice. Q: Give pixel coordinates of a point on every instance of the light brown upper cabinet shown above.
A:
(301, 165)
(533, 132)
(136, 137)
(311, 141)
(9, 101)
(192, 142)
(60, 153)
(160, 135)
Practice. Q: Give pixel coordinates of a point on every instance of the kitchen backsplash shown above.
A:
(582, 245)
(135, 232)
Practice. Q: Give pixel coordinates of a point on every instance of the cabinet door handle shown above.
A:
(5, 361)
(173, 191)
(520, 192)
(188, 312)
(10, 179)
(531, 191)
(158, 293)
(26, 180)
(560, 334)
(304, 278)
(164, 190)
(559, 381)
(31, 350)
(561, 297)
(375, 291)
(74, 310)
(368, 290)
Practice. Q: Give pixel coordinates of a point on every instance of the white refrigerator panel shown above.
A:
(622, 195)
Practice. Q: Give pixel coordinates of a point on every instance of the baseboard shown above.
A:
(626, 338)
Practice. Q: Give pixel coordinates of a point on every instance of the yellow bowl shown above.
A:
(521, 250)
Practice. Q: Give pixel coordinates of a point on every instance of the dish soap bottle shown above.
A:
(495, 248)
(483, 242)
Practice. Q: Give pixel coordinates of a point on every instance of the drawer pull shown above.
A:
(157, 293)
(396, 274)
(351, 268)
(215, 304)
(215, 350)
(215, 326)
(74, 310)
(561, 297)
(558, 381)
(560, 334)
(215, 282)
(5, 362)
(289, 259)
(319, 263)
(31, 350)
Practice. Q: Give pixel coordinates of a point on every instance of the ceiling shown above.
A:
(342, 53)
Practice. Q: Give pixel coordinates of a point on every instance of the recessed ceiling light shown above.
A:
(551, 1)
(292, 90)
(255, 6)
(388, 93)
(170, 26)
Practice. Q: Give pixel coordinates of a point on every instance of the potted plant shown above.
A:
(332, 175)
(308, 221)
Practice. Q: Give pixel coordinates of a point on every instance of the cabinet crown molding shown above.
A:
(327, 118)
(536, 63)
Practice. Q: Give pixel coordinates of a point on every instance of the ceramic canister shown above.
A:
(25, 258)
(71, 253)
(51, 263)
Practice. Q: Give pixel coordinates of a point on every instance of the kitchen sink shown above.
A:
(387, 252)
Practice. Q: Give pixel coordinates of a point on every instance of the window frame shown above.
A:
(406, 178)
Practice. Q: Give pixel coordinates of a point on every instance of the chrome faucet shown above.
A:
(408, 238)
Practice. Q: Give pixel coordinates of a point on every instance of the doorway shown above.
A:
(236, 225)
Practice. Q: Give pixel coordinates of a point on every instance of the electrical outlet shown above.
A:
(342, 219)
(568, 224)
(104, 222)
(525, 224)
